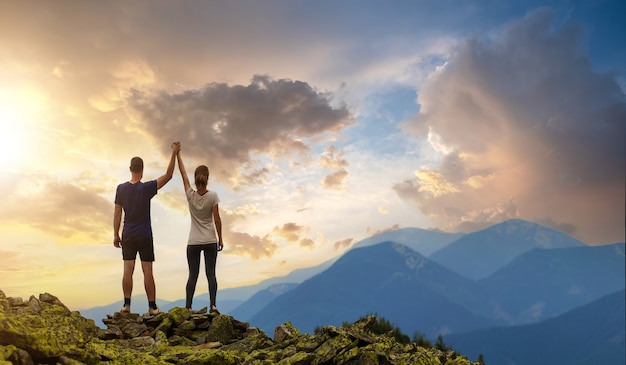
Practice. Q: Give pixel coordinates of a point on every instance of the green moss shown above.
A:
(179, 315)
(299, 358)
(48, 332)
(331, 348)
(6, 352)
(165, 325)
(249, 344)
(161, 344)
(294, 331)
(213, 357)
(53, 332)
(221, 329)
(308, 343)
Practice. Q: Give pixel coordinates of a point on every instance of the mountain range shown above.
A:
(419, 295)
(591, 334)
(387, 279)
(508, 276)
(480, 254)
(230, 299)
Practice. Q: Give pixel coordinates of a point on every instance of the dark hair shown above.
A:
(201, 176)
(136, 164)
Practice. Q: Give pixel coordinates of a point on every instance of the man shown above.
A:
(133, 197)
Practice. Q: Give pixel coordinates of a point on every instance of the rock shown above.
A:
(221, 329)
(46, 330)
(13, 355)
(132, 330)
(285, 331)
(112, 333)
(179, 315)
(15, 302)
(43, 331)
(251, 331)
(210, 345)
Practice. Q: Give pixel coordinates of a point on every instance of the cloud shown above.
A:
(62, 209)
(333, 158)
(290, 231)
(343, 243)
(307, 242)
(226, 125)
(8, 261)
(335, 180)
(530, 131)
(371, 232)
(239, 243)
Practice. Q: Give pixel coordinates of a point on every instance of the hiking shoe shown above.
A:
(214, 310)
(125, 309)
(154, 311)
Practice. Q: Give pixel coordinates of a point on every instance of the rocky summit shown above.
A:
(44, 331)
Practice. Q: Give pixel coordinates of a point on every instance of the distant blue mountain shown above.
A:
(420, 240)
(388, 279)
(393, 281)
(480, 254)
(247, 310)
(243, 293)
(542, 283)
(591, 334)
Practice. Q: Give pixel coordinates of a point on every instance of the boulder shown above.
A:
(45, 328)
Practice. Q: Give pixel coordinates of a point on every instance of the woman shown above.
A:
(204, 210)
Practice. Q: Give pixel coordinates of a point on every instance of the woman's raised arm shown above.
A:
(183, 172)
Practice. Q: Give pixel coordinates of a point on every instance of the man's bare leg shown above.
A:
(148, 280)
(127, 279)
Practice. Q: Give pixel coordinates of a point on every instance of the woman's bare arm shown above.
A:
(218, 226)
(183, 172)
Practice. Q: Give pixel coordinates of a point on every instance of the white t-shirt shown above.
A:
(201, 209)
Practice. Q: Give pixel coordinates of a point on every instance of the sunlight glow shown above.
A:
(18, 112)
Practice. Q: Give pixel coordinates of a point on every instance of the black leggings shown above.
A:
(193, 260)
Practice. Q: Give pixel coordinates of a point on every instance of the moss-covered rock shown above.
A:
(221, 329)
(43, 331)
(179, 315)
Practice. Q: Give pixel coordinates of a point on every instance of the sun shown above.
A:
(18, 117)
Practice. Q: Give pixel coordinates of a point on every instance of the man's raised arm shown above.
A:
(162, 180)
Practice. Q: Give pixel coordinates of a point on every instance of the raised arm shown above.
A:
(162, 180)
(183, 172)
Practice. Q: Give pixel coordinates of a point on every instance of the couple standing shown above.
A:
(133, 199)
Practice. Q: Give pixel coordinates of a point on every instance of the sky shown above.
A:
(322, 123)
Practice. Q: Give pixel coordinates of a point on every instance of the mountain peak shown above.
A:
(541, 236)
(413, 260)
(479, 254)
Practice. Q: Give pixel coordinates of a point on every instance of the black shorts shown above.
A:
(143, 245)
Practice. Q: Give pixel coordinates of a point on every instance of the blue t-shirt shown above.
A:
(135, 201)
